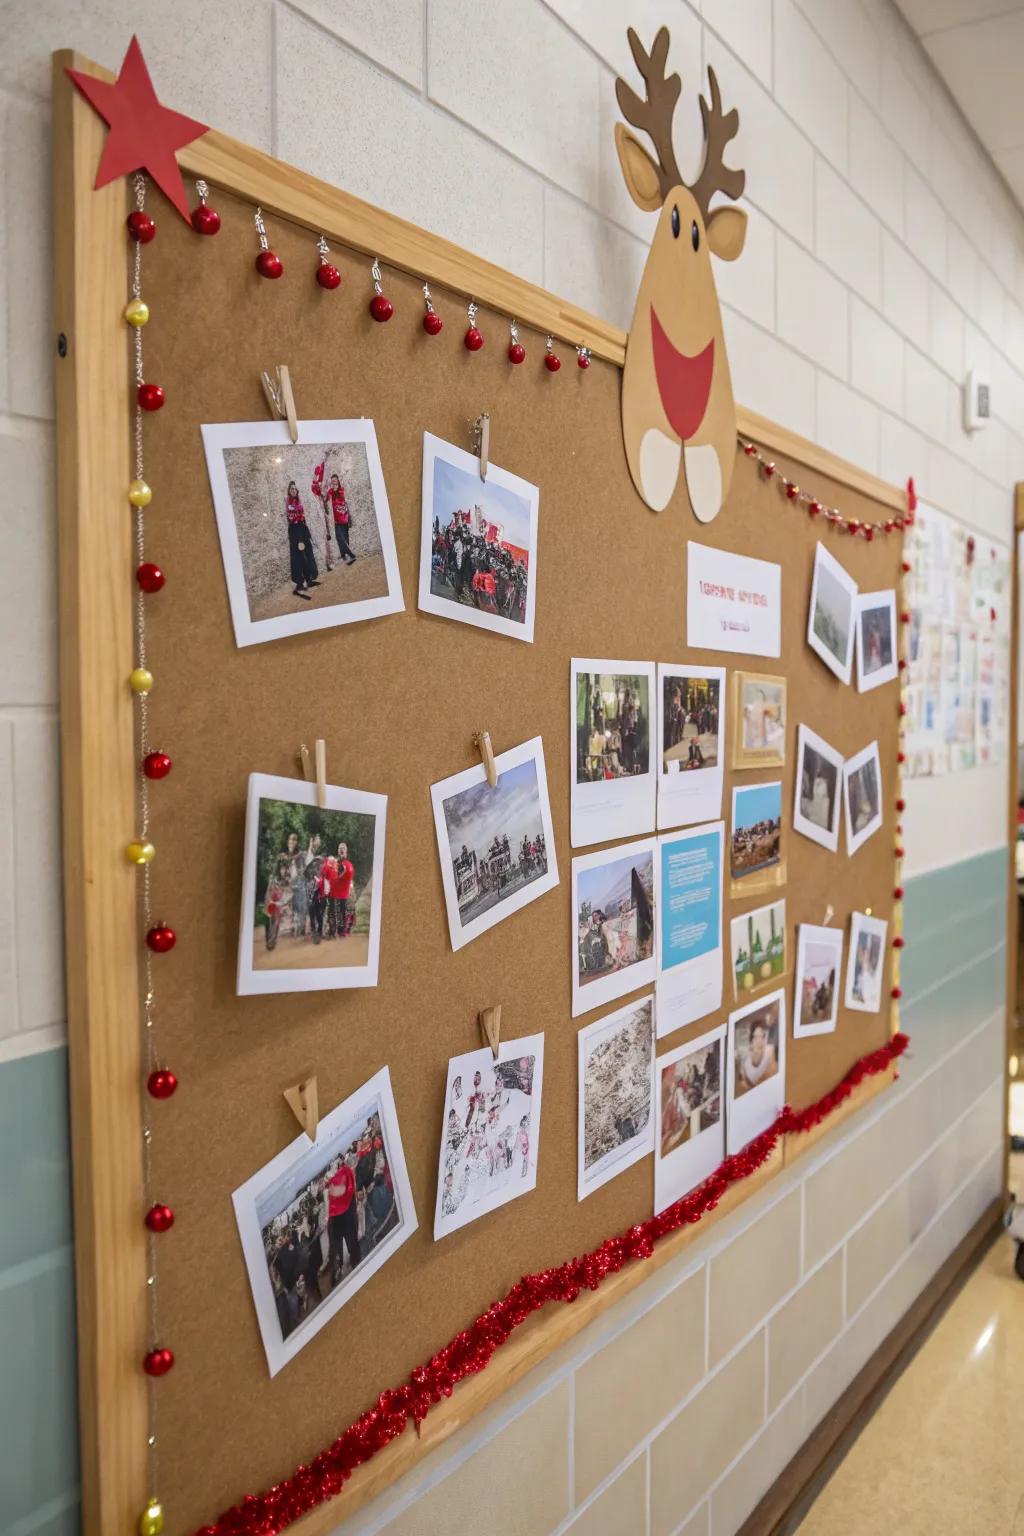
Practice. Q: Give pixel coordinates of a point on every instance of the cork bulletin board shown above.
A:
(397, 701)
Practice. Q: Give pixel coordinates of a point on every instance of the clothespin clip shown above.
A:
(315, 771)
(303, 1101)
(482, 739)
(480, 432)
(829, 915)
(490, 1025)
(280, 399)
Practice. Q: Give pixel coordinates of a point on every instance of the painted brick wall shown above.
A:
(884, 257)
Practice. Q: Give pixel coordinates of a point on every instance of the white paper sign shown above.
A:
(733, 603)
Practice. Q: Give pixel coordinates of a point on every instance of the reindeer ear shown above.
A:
(639, 170)
(727, 230)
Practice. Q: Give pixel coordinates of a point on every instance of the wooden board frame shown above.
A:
(99, 783)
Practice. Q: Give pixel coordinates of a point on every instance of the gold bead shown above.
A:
(140, 853)
(136, 312)
(139, 494)
(141, 680)
(151, 1521)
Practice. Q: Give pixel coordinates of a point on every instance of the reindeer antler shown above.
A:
(719, 128)
(654, 115)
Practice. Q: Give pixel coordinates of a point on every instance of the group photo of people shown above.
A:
(496, 839)
(690, 709)
(489, 1134)
(471, 564)
(613, 726)
(691, 1096)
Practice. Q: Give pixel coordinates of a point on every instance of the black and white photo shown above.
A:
(831, 621)
(862, 782)
(819, 783)
(877, 658)
(865, 968)
(819, 970)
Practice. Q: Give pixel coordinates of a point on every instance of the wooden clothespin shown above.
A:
(829, 915)
(303, 1101)
(278, 390)
(490, 1025)
(314, 769)
(482, 440)
(482, 739)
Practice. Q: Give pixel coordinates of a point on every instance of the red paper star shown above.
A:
(143, 134)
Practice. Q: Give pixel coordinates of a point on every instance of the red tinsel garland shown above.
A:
(266, 1514)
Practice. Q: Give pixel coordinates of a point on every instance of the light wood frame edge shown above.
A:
(99, 786)
(1013, 790)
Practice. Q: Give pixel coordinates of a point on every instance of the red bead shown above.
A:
(149, 576)
(815, 508)
(903, 709)
(900, 853)
(516, 352)
(583, 360)
(159, 1218)
(901, 805)
(898, 893)
(150, 397)
(905, 568)
(792, 490)
(268, 264)
(161, 1084)
(869, 534)
(328, 276)
(205, 220)
(473, 339)
(769, 470)
(897, 992)
(156, 765)
(905, 616)
(898, 521)
(158, 1362)
(901, 757)
(432, 323)
(853, 526)
(161, 939)
(141, 227)
(898, 942)
(381, 308)
(552, 363)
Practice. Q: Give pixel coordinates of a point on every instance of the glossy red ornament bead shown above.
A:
(516, 352)
(150, 397)
(583, 360)
(161, 939)
(898, 893)
(268, 264)
(869, 534)
(205, 220)
(473, 339)
(815, 508)
(897, 992)
(149, 576)
(161, 1084)
(159, 1218)
(792, 490)
(158, 1362)
(328, 276)
(769, 470)
(156, 765)
(901, 805)
(853, 526)
(903, 709)
(901, 853)
(899, 942)
(141, 227)
(552, 363)
(901, 757)
(381, 307)
(432, 323)
(905, 568)
(905, 616)
(750, 449)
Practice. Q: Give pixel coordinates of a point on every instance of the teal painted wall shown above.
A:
(953, 976)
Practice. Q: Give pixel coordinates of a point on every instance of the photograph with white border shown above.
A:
(614, 932)
(832, 615)
(305, 528)
(818, 789)
(312, 887)
(319, 1220)
(819, 974)
(612, 747)
(616, 1094)
(690, 877)
(877, 645)
(862, 796)
(865, 967)
(691, 743)
(689, 1142)
(755, 1069)
(496, 846)
(490, 1137)
(478, 553)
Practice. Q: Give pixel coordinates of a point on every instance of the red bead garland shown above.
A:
(854, 526)
(472, 1350)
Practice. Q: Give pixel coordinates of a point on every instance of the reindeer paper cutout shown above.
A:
(678, 411)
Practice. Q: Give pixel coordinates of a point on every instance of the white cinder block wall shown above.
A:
(884, 258)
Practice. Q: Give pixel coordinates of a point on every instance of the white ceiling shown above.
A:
(977, 46)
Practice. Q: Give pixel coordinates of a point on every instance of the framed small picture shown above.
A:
(690, 1138)
(305, 528)
(756, 1076)
(616, 1094)
(312, 887)
(758, 949)
(496, 846)
(611, 724)
(755, 848)
(759, 720)
(491, 1132)
(478, 553)
(862, 781)
(819, 969)
(614, 934)
(322, 1217)
(877, 659)
(819, 776)
(832, 618)
(691, 737)
(865, 967)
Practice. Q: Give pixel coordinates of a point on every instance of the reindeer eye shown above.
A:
(695, 235)
(675, 222)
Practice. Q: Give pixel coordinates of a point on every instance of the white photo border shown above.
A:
(865, 601)
(850, 767)
(824, 837)
(595, 994)
(814, 933)
(822, 557)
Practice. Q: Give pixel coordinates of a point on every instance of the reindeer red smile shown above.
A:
(678, 411)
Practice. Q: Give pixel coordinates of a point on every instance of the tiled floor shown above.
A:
(945, 1451)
